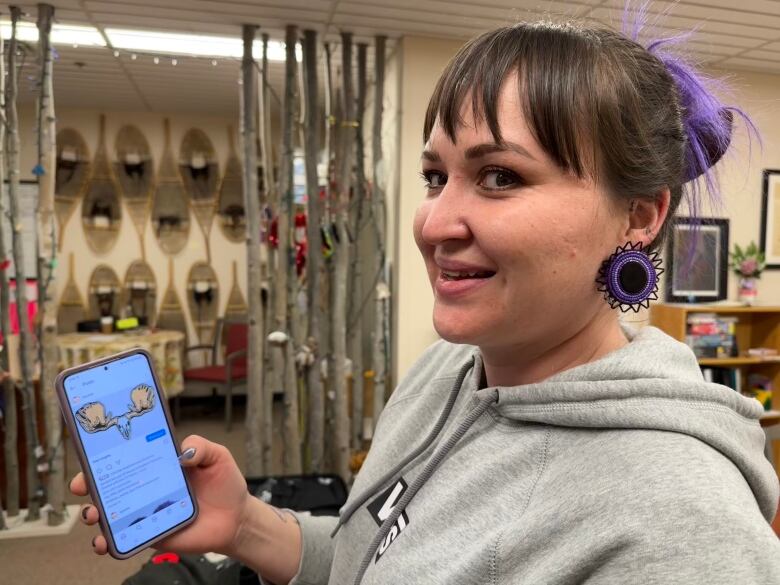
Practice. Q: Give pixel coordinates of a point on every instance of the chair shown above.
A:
(223, 377)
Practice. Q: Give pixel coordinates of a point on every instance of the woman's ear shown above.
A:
(646, 216)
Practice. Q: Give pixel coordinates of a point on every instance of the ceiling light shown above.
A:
(143, 41)
(61, 34)
(194, 45)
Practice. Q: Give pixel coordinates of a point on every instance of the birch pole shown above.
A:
(34, 449)
(381, 324)
(9, 388)
(254, 383)
(47, 263)
(327, 323)
(272, 198)
(292, 443)
(340, 279)
(355, 324)
(316, 399)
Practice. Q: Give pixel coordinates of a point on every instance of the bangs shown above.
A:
(554, 64)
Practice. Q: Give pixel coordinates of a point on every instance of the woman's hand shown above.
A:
(222, 497)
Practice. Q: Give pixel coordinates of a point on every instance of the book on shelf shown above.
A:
(711, 335)
(724, 376)
(758, 386)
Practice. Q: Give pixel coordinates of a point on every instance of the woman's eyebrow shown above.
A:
(481, 150)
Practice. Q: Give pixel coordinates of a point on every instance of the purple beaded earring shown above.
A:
(629, 277)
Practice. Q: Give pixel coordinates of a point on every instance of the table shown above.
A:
(165, 346)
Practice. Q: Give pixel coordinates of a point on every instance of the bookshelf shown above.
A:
(757, 326)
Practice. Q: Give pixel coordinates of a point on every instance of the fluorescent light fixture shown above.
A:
(61, 34)
(193, 45)
(143, 41)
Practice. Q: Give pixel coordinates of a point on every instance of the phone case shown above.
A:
(71, 424)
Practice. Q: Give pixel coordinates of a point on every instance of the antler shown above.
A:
(93, 418)
(142, 401)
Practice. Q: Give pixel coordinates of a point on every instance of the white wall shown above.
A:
(422, 63)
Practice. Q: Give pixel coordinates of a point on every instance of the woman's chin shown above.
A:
(456, 330)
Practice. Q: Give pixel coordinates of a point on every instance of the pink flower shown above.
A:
(748, 267)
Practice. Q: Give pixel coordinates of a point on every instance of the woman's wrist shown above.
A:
(268, 540)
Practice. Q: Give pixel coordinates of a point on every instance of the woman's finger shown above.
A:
(89, 515)
(197, 451)
(78, 486)
(99, 545)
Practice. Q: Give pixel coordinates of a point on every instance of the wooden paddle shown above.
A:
(232, 215)
(71, 176)
(71, 309)
(134, 170)
(203, 300)
(199, 169)
(101, 212)
(140, 291)
(170, 209)
(103, 292)
(171, 315)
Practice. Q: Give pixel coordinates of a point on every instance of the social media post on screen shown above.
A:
(130, 452)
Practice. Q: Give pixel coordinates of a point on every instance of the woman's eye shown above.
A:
(434, 179)
(498, 179)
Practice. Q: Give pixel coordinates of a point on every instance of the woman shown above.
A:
(566, 447)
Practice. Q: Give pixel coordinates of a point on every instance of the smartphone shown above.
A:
(123, 432)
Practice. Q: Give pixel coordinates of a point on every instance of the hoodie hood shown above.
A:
(654, 383)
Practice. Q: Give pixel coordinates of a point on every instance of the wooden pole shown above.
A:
(9, 388)
(292, 444)
(316, 398)
(34, 450)
(326, 326)
(272, 202)
(254, 385)
(382, 291)
(355, 324)
(341, 275)
(47, 263)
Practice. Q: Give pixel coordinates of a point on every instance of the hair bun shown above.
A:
(707, 143)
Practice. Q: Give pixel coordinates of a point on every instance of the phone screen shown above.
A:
(132, 457)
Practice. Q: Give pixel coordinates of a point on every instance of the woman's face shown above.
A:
(512, 243)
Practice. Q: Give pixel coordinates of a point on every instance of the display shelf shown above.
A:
(757, 326)
(735, 362)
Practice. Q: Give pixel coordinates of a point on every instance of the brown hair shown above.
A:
(599, 103)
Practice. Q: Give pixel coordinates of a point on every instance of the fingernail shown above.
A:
(187, 455)
(84, 512)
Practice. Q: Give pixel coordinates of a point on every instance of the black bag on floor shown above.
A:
(175, 569)
(322, 495)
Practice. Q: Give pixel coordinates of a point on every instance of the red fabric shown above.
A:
(237, 339)
(167, 557)
(216, 373)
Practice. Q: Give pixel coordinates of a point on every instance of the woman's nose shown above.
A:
(446, 217)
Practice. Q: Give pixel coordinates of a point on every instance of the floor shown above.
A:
(68, 560)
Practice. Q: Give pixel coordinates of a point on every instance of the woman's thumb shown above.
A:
(197, 451)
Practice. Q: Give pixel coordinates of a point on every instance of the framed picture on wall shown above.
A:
(770, 219)
(697, 259)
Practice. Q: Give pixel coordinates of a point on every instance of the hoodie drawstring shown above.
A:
(425, 475)
(349, 510)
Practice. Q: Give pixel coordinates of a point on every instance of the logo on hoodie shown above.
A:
(381, 508)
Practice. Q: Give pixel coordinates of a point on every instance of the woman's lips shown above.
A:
(451, 289)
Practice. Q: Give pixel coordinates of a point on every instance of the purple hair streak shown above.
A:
(708, 122)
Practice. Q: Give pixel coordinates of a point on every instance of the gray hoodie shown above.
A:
(629, 469)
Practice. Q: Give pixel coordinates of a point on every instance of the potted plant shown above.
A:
(748, 265)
